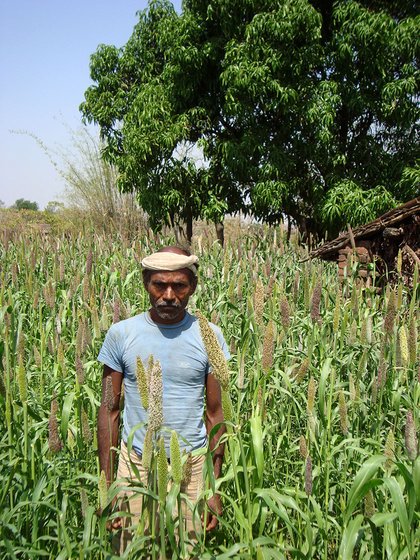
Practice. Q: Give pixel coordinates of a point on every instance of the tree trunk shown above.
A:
(220, 232)
(179, 234)
(289, 229)
(189, 227)
(178, 230)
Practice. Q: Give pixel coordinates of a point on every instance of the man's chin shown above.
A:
(168, 315)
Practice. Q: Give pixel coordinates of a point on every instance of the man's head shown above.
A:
(170, 278)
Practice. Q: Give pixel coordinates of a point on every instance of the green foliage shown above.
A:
(23, 204)
(54, 206)
(348, 203)
(91, 192)
(30, 222)
(287, 101)
(91, 185)
(53, 318)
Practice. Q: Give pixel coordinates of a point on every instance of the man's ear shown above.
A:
(194, 284)
(146, 278)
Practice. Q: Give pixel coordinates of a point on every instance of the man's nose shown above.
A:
(169, 294)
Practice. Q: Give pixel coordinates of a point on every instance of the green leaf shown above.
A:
(380, 519)
(257, 444)
(416, 477)
(65, 414)
(89, 526)
(273, 500)
(349, 540)
(399, 504)
(363, 481)
(325, 372)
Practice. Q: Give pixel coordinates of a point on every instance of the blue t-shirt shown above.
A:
(184, 361)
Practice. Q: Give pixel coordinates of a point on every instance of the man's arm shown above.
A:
(108, 420)
(214, 416)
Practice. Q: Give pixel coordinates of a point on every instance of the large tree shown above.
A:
(151, 128)
(23, 204)
(300, 109)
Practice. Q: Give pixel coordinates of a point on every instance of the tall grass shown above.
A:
(321, 453)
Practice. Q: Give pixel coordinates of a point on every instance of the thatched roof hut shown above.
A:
(380, 240)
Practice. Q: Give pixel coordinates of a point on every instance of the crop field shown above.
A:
(321, 457)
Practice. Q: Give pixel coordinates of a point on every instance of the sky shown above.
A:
(45, 47)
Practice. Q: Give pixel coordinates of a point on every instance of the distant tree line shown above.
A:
(296, 109)
(22, 204)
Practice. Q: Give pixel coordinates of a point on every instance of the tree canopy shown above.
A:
(276, 108)
(23, 204)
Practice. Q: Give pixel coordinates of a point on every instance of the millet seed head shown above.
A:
(411, 443)
(303, 448)
(311, 395)
(390, 314)
(175, 454)
(227, 407)
(316, 303)
(285, 313)
(54, 441)
(215, 353)
(155, 398)
(142, 384)
(259, 302)
(187, 470)
(162, 471)
(103, 491)
(268, 347)
(369, 504)
(147, 454)
(403, 342)
(342, 407)
(412, 341)
(389, 450)
(308, 476)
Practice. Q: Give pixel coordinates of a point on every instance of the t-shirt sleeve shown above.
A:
(111, 352)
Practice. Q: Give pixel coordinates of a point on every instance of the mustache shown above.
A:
(166, 305)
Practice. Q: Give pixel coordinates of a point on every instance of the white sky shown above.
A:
(45, 46)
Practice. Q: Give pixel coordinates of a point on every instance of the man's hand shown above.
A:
(215, 509)
(114, 525)
(111, 524)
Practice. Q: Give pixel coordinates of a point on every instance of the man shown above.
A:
(172, 336)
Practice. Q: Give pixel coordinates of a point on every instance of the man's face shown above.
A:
(169, 293)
